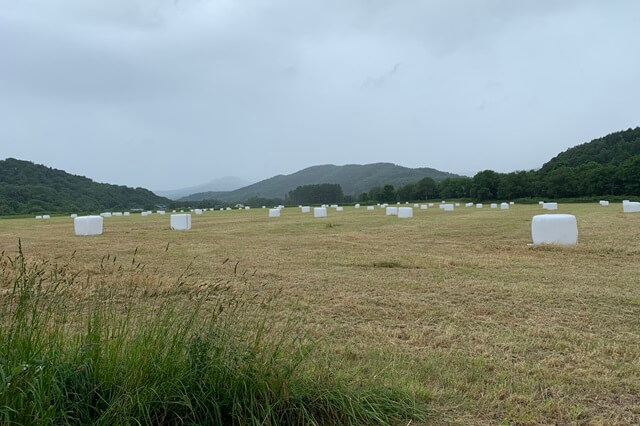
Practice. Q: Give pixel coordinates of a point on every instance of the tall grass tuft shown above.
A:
(73, 351)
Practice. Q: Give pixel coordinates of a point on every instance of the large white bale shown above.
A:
(416, 206)
(357, 206)
(181, 222)
(494, 205)
(333, 206)
(504, 206)
(247, 207)
(423, 207)
(46, 216)
(556, 229)
(339, 209)
(305, 209)
(631, 207)
(457, 204)
(405, 212)
(625, 201)
(370, 208)
(479, 206)
(264, 207)
(274, 212)
(550, 206)
(161, 212)
(604, 203)
(319, 212)
(128, 214)
(392, 211)
(145, 213)
(88, 225)
(117, 214)
(469, 205)
(228, 208)
(106, 214)
(541, 202)
(447, 207)
(430, 204)
(73, 216)
(38, 217)
(443, 202)
(511, 203)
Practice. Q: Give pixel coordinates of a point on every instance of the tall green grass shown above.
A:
(207, 355)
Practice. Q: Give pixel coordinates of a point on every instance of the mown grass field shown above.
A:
(453, 307)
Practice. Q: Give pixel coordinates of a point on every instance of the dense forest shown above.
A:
(26, 188)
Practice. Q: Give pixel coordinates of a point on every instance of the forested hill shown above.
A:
(354, 179)
(613, 149)
(26, 187)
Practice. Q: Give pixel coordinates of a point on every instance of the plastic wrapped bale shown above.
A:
(106, 214)
(392, 211)
(555, 229)
(504, 206)
(357, 206)
(430, 204)
(181, 222)
(469, 205)
(550, 206)
(118, 214)
(305, 209)
(625, 201)
(73, 216)
(319, 212)
(541, 202)
(228, 208)
(88, 225)
(126, 214)
(38, 217)
(370, 207)
(144, 214)
(479, 206)
(631, 207)
(247, 207)
(46, 216)
(264, 207)
(604, 203)
(405, 212)
(511, 203)
(197, 211)
(443, 202)
(161, 212)
(457, 204)
(274, 212)
(447, 207)
(423, 207)
(416, 206)
(494, 205)
(339, 209)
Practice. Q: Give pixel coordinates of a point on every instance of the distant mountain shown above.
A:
(26, 187)
(354, 179)
(227, 183)
(613, 149)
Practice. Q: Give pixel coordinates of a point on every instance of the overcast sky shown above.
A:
(167, 94)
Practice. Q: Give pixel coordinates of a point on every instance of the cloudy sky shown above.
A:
(166, 94)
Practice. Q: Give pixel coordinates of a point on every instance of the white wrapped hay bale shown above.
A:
(405, 212)
(357, 206)
(443, 202)
(274, 212)
(392, 211)
(625, 201)
(38, 217)
(447, 207)
(511, 203)
(504, 206)
(197, 211)
(555, 229)
(431, 204)
(126, 214)
(145, 214)
(181, 222)
(339, 209)
(457, 204)
(228, 208)
(247, 207)
(468, 205)
(118, 214)
(541, 202)
(305, 209)
(46, 216)
(161, 212)
(423, 207)
(73, 216)
(604, 203)
(550, 206)
(631, 207)
(494, 205)
(319, 212)
(370, 207)
(416, 206)
(264, 207)
(479, 206)
(88, 225)
(106, 214)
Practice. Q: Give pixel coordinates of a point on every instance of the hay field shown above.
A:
(453, 306)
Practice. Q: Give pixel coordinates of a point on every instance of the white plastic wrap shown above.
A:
(370, 208)
(423, 207)
(274, 212)
(556, 229)
(339, 209)
(392, 211)
(504, 206)
(405, 212)
(447, 207)
(88, 225)
(319, 212)
(305, 209)
(631, 207)
(180, 222)
(550, 206)
(479, 206)
(604, 203)
(494, 205)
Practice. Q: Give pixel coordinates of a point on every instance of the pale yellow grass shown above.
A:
(452, 305)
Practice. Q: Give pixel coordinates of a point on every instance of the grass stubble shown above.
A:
(450, 309)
